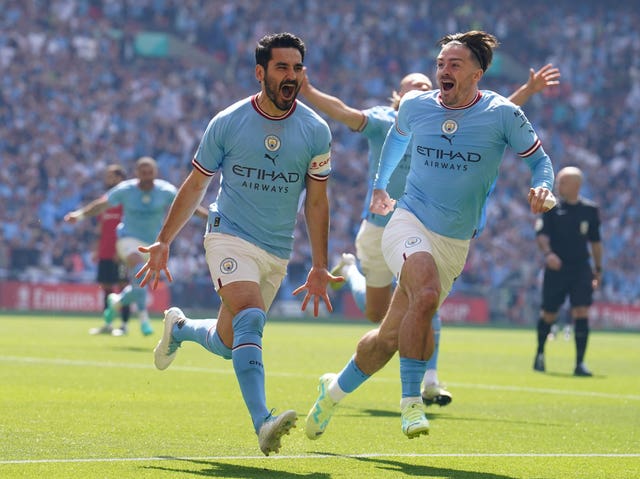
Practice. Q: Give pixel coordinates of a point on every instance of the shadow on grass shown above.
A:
(221, 469)
(134, 349)
(571, 376)
(429, 471)
(399, 467)
(432, 414)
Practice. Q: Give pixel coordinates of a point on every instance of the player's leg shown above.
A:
(432, 391)
(343, 268)
(377, 291)
(581, 298)
(244, 299)
(373, 351)
(125, 310)
(177, 328)
(377, 303)
(420, 281)
(247, 279)
(133, 293)
(107, 277)
(427, 264)
(553, 295)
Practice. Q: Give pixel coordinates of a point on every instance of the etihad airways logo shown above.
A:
(262, 179)
(450, 155)
(263, 174)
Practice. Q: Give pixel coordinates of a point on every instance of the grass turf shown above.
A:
(80, 406)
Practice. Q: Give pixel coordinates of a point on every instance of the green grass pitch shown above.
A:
(80, 406)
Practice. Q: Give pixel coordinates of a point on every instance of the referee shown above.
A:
(569, 236)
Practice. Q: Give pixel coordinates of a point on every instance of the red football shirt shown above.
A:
(108, 220)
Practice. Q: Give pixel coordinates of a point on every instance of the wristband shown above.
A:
(80, 216)
(598, 269)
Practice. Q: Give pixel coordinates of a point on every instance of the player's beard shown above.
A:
(274, 93)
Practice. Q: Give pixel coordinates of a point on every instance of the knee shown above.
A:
(426, 300)
(250, 320)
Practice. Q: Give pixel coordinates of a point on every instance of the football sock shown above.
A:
(125, 313)
(143, 315)
(432, 363)
(133, 292)
(581, 334)
(107, 292)
(543, 332)
(350, 378)
(247, 362)
(203, 332)
(358, 285)
(411, 374)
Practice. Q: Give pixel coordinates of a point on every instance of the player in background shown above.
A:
(569, 238)
(111, 273)
(269, 149)
(144, 201)
(372, 288)
(459, 135)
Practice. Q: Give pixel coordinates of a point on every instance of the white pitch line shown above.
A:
(313, 456)
(494, 387)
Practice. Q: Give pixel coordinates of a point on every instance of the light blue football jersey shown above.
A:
(455, 157)
(264, 162)
(378, 121)
(143, 212)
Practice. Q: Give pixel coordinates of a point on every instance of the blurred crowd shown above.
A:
(76, 94)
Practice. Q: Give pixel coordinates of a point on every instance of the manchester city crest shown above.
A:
(449, 127)
(411, 242)
(228, 265)
(272, 143)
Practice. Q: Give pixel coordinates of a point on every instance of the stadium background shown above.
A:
(89, 82)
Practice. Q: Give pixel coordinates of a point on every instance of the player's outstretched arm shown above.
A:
(316, 211)
(546, 77)
(331, 106)
(94, 208)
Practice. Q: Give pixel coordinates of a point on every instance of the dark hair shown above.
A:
(480, 43)
(118, 170)
(277, 40)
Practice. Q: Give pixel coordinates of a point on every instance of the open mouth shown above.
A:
(288, 91)
(446, 85)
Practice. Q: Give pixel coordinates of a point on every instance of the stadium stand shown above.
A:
(86, 83)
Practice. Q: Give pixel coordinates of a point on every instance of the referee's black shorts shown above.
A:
(111, 272)
(574, 282)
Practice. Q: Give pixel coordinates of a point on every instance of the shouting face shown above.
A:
(281, 80)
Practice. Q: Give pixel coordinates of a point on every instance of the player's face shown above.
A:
(457, 74)
(414, 81)
(282, 78)
(146, 174)
(111, 179)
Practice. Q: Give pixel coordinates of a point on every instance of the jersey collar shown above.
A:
(261, 112)
(471, 103)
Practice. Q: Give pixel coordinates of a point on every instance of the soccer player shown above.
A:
(144, 200)
(269, 148)
(111, 274)
(459, 134)
(372, 288)
(569, 237)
